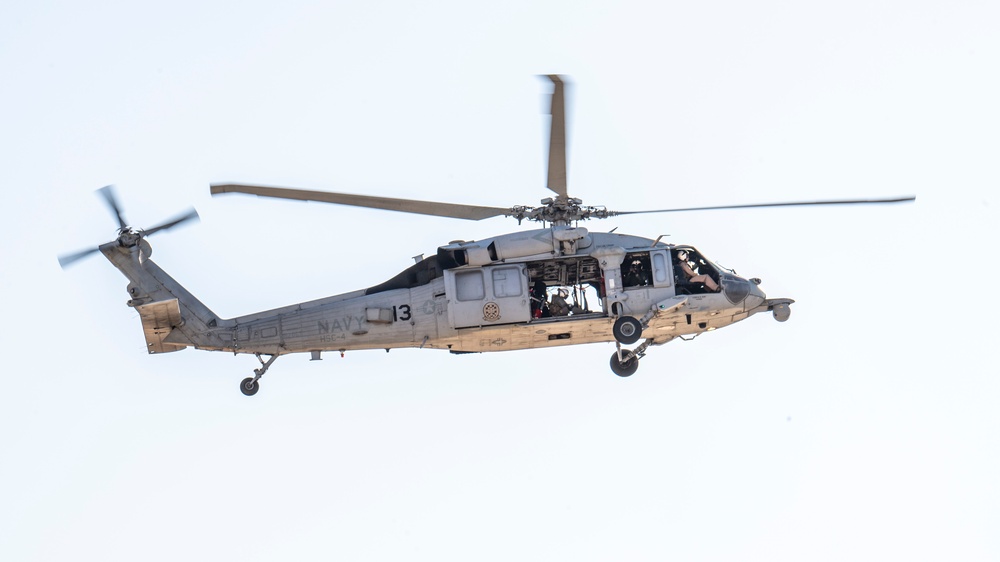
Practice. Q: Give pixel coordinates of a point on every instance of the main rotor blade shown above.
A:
(108, 192)
(469, 212)
(68, 259)
(788, 204)
(190, 215)
(557, 138)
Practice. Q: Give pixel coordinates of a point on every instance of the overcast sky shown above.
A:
(864, 428)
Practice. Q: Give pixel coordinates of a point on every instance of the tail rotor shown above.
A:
(127, 235)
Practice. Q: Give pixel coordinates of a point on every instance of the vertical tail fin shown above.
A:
(172, 318)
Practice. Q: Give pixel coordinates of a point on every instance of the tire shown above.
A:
(249, 387)
(626, 369)
(627, 330)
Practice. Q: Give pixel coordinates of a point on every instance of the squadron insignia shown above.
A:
(491, 312)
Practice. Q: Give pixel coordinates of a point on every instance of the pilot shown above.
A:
(557, 304)
(692, 277)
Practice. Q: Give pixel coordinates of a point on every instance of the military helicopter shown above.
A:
(503, 293)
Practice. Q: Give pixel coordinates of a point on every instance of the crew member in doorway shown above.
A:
(557, 304)
(636, 275)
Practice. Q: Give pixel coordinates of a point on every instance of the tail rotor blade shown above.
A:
(108, 192)
(127, 236)
(69, 259)
(189, 215)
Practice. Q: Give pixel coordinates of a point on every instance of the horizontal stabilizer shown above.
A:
(158, 320)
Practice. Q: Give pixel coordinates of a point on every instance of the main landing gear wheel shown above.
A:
(249, 386)
(624, 368)
(627, 330)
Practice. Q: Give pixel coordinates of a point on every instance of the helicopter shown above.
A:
(504, 293)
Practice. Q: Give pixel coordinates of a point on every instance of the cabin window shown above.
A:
(506, 282)
(661, 273)
(635, 270)
(469, 286)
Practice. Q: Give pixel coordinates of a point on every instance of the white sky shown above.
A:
(865, 428)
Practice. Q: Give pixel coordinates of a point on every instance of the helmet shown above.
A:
(682, 255)
(563, 292)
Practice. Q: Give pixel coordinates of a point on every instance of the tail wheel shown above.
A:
(624, 368)
(627, 330)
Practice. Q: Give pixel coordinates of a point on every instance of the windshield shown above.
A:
(698, 259)
(723, 268)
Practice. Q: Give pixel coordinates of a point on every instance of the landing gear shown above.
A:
(627, 330)
(625, 363)
(250, 386)
(624, 368)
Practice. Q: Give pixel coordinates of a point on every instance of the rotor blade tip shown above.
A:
(69, 259)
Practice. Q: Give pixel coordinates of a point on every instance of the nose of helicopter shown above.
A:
(756, 296)
(742, 292)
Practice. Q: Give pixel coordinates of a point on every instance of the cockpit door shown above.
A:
(487, 295)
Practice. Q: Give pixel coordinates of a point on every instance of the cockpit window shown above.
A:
(693, 273)
(721, 268)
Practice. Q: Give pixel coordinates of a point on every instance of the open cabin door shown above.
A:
(487, 295)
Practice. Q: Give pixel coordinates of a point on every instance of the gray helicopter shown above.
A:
(552, 286)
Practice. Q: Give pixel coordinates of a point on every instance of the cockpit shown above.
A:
(693, 274)
(734, 287)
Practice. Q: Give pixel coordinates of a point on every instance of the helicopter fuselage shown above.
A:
(490, 295)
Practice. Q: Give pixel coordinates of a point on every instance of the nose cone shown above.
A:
(756, 296)
(740, 291)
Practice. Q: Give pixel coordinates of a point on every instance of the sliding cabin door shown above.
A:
(489, 295)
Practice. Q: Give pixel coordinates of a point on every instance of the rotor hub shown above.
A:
(129, 237)
(561, 210)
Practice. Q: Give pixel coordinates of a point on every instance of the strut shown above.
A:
(249, 386)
